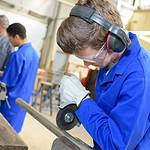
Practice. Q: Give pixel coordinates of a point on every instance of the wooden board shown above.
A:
(9, 139)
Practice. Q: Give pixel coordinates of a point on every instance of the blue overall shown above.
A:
(19, 76)
(119, 117)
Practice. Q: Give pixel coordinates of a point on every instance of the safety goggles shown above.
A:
(93, 58)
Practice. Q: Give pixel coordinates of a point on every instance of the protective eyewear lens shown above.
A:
(92, 58)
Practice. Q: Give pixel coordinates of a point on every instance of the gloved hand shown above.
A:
(71, 90)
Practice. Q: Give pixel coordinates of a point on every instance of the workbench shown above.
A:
(9, 139)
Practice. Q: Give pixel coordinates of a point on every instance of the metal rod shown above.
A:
(50, 126)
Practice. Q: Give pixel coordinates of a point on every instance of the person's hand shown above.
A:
(3, 91)
(71, 90)
(1, 73)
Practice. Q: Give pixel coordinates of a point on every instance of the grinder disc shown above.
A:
(66, 118)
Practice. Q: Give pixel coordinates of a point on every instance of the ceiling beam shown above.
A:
(23, 11)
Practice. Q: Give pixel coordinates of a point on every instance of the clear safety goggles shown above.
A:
(93, 58)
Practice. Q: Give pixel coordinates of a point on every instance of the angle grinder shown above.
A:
(66, 118)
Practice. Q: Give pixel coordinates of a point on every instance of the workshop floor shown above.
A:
(37, 137)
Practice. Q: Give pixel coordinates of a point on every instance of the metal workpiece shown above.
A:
(50, 126)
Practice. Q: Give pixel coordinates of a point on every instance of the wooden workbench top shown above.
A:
(9, 139)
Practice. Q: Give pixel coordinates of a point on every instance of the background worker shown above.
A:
(19, 75)
(118, 119)
(5, 46)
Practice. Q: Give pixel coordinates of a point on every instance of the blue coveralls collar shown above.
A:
(125, 60)
(25, 45)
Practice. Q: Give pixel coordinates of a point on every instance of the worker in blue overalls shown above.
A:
(19, 75)
(119, 117)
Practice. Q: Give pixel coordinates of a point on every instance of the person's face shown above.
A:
(100, 58)
(2, 31)
(14, 40)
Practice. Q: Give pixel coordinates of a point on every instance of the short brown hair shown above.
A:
(75, 34)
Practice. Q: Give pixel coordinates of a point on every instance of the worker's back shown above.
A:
(28, 61)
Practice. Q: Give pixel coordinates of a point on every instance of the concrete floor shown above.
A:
(37, 137)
